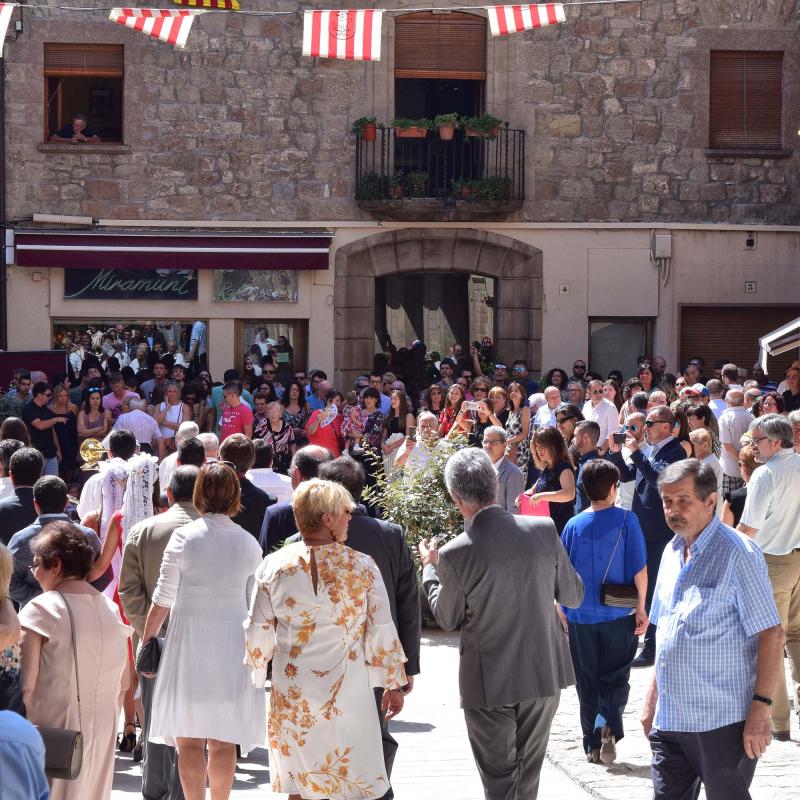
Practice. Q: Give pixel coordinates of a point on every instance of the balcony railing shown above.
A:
(485, 172)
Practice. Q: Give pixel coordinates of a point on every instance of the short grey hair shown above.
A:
(186, 430)
(794, 417)
(501, 432)
(775, 427)
(210, 444)
(426, 415)
(703, 477)
(470, 474)
(136, 403)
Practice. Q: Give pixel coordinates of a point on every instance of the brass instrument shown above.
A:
(91, 452)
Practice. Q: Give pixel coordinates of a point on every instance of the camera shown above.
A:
(412, 433)
(472, 405)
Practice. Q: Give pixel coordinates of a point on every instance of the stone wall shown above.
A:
(241, 126)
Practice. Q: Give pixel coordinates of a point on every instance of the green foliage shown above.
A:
(445, 119)
(493, 190)
(417, 184)
(362, 122)
(419, 502)
(404, 124)
(484, 125)
(371, 187)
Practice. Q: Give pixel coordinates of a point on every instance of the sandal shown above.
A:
(127, 741)
(138, 751)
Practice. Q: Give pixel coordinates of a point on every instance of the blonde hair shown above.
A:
(316, 497)
(6, 568)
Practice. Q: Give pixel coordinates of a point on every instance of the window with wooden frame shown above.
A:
(84, 79)
(745, 100)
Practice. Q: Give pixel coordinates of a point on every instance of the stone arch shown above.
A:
(516, 266)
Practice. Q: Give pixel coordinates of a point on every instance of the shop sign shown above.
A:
(114, 284)
(255, 286)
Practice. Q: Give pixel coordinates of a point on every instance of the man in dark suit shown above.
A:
(665, 450)
(240, 452)
(385, 543)
(278, 522)
(498, 581)
(17, 511)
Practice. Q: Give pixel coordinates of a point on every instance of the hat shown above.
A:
(702, 390)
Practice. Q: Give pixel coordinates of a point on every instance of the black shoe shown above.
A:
(644, 659)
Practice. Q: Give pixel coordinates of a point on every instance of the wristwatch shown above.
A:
(761, 699)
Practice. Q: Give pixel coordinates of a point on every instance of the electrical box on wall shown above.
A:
(663, 245)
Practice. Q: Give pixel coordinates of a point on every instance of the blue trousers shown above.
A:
(601, 655)
(682, 761)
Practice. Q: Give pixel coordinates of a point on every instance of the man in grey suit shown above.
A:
(498, 580)
(510, 480)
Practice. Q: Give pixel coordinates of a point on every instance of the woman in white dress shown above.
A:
(170, 414)
(203, 694)
(321, 610)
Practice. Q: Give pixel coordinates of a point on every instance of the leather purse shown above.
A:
(618, 595)
(63, 748)
(150, 656)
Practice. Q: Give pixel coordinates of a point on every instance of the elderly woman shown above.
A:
(604, 543)
(203, 696)
(69, 607)
(734, 501)
(279, 434)
(321, 612)
(324, 426)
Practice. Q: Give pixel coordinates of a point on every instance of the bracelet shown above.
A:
(761, 699)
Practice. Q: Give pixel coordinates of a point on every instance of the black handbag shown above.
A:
(63, 748)
(149, 656)
(618, 595)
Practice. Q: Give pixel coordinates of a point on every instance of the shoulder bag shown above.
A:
(618, 595)
(63, 748)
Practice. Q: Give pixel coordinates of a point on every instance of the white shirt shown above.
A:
(6, 488)
(733, 424)
(718, 406)
(123, 359)
(605, 414)
(773, 504)
(545, 417)
(713, 462)
(627, 489)
(140, 424)
(272, 483)
(200, 335)
(166, 469)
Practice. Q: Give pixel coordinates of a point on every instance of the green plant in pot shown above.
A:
(493, 190)
(367, 127)
(461, 189)
(485, 126)
(418, 183)
(370, 187)
(398, 185)
(410, 128)
(447, 124)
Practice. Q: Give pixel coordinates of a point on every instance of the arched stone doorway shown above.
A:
(517, 268)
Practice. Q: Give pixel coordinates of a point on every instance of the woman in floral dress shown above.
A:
(518, 428)
(320, 611)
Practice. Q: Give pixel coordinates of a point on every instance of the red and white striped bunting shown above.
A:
(512, 19)
(6, 10)
(350, 35)
(167, 26)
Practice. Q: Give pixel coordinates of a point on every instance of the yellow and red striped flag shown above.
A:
(512, 19)
(350, 35)
(171, 27)
(222, 5)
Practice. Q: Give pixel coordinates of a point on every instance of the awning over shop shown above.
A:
(213, 250)
(779, 341)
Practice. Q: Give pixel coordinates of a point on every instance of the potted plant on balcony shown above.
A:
(484, 127)
(370, 187)
(410, 128)
(493, 191)
(398, 185)
(417, 184)
(446, 123)
(367, 127)
(461, 189)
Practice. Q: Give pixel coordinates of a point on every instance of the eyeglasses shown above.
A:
(562, 420)
(480, 389)
(597, 391)
(300, 377)
(490, 442)
(755, 440)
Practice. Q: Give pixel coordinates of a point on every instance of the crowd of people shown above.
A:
(589, 503)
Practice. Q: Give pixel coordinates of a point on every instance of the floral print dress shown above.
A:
(330, 649)
(523, 448)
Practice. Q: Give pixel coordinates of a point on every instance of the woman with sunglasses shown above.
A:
(567, 417)
(192, 397)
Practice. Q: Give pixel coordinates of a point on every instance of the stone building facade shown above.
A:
(239, 129)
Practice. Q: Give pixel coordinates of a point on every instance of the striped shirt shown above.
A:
(709, 611)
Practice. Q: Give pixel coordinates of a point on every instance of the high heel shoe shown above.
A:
(127, 741)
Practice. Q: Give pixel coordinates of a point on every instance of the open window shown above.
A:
(84, 79)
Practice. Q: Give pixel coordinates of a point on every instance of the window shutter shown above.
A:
(450, 46)
(83, 60)
(745, 107)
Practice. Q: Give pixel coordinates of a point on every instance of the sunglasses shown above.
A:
(648, 423)
(597, 391)
(578, 366)
(268, 371)
(562, 420)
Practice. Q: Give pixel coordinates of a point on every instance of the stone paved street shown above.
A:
(434, 760)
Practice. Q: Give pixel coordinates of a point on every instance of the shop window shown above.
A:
(745, 100)
(284, 343)
(84, 79)
(616, 343)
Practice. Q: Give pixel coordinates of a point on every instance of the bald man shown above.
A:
(545, 417)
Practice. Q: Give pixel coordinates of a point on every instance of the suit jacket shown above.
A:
(278, 525)
(498, 581)
(16, 512)
(255, 502)
(647, 499)
(510, 484)
(385, 543)
(141, 560)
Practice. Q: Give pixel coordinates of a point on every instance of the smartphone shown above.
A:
(412, 433)
(619, 438)
(473, 405)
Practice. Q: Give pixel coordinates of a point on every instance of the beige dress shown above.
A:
(330, 649)
(102, 644)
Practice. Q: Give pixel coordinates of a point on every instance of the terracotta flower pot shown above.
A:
(447, 132)
(410, 133)
(369, 132)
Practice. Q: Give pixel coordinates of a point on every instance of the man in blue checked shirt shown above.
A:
(719, 648)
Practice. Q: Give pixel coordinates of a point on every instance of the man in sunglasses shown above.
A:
(645, 470)
(579, 373)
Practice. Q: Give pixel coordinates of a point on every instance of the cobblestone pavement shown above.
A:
(434, 761)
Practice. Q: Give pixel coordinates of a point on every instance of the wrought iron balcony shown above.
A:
(426, 176)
